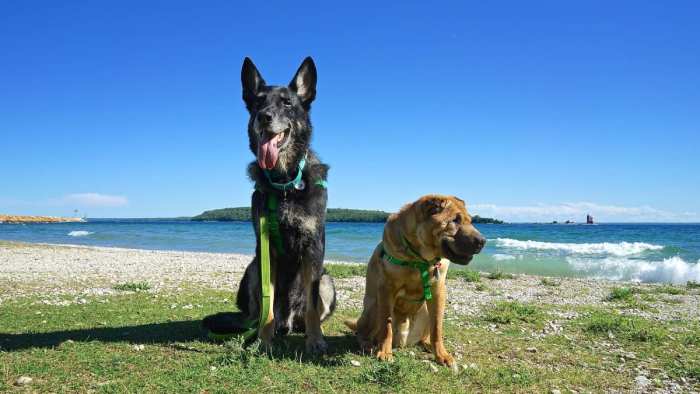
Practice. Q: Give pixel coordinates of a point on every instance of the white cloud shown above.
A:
(94, 200)
(577, 211)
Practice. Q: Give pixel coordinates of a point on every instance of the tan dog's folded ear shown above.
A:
(435, 205)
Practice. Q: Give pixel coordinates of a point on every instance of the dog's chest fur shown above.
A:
(294, 216)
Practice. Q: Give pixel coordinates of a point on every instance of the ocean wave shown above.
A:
(502, 257)
(610, 248)
(671, 270)
(79, 233)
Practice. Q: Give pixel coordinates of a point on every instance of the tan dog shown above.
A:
(430, 233)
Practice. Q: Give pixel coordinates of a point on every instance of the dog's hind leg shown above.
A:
(401, 330)
(312, 317)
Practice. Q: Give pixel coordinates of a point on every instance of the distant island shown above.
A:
(37, 219)
(332, 215)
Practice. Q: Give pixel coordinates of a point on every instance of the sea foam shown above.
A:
(609, 248)
(671, 270)
(79, 233)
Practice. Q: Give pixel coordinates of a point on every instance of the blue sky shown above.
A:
(527, 110)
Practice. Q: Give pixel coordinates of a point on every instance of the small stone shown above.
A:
(610, 335)
(554, 391)
(139, 348)
(433, 367)
(412, 353)
(23, 381)
(355, 363)
(212, 368)
(531, 350)
(641, 381)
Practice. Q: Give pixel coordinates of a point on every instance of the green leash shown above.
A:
(421, 265)
(268, 225)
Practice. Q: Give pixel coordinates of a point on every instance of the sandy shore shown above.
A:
(66, 274)
(38, 219)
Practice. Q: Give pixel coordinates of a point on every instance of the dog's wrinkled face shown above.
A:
(279, 129)
(449, 229)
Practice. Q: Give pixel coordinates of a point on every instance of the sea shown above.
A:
(668, 253)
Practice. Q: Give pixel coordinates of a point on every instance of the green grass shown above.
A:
(549, 282)
(631, 328)
(669, 289)
(91, 348)
(132, 286)
(481, 287)
(692, 284)
(511, 312)
(346, 270)
(498, 275)
(621, 294)
(466, 275)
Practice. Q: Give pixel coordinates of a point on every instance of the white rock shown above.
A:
(433, 367)
(355, 363)
(23, 381)
(641, 381)
(139, 348)
(555, 391)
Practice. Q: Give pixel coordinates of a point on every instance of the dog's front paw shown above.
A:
(447, 360)
(385, 356)
(316, 345)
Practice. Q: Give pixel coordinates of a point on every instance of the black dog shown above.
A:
(279, 131)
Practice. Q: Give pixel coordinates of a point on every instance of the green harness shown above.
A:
(269, 233)
(421, 265)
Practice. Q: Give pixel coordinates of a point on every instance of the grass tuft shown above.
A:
(481, 287)
(385, 374)
(498, 275)
(132, 286)
(621, 294)
(549, 282)
(466, 274)
(632, 328)
(510, 312)
(346, 270)
(692, 284)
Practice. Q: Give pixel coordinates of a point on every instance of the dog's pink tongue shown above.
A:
(268, 153)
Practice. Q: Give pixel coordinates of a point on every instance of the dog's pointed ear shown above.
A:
(252, 82)
(435, 205)
(304, 82)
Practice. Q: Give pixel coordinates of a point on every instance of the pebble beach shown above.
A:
(51, 272)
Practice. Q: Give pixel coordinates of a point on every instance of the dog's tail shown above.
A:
(351, 324)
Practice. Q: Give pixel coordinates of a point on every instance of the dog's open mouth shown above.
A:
(269, 148)
(455, 257)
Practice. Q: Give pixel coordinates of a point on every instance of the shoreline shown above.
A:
(66, 273)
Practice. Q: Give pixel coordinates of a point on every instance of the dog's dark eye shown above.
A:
(458, 220)
(287, 102)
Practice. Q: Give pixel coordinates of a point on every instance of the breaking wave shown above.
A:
(79, 233)
(671, 270)
(609, 248)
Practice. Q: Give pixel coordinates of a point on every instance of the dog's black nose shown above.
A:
(479, 243)
(264, 118)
